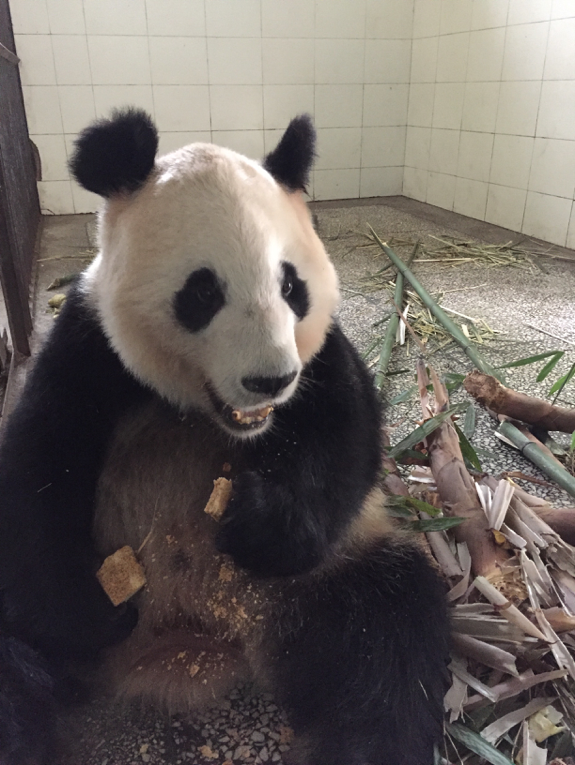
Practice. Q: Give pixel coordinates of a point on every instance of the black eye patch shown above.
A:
(294, 291)
(199, 300)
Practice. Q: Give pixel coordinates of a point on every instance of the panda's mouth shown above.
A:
(240, 420)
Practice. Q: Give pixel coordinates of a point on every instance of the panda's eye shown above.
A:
(199, 300)
(205, 293)
(294, 291)
(287, 285)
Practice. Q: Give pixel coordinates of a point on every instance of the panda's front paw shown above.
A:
(264, 532)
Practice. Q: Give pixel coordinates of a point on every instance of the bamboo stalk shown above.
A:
(456, 488)
(389, 339)
(533, 453)
(438, 312)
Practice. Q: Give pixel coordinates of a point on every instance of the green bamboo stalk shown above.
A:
(533, 453)
(389, 339)
(438, 312)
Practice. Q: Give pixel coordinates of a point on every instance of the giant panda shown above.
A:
(201, 342)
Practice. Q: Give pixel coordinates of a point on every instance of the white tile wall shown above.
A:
(511, 160)
(491, 113)
(228, 71)
(281, 102)
(470, 197)
(571, 229)
(465, 104)
(175, 18)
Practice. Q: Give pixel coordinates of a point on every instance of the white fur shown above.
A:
(208, 206)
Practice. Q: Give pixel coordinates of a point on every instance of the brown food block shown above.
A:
(219, 498)
(121, 576)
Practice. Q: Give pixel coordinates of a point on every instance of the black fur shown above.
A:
(199, 300)
(27, 705)
(292, 159)
(359, 660)
(115, 155)
(50, 458)
(328, 435)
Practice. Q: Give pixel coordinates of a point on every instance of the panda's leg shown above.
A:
(358, 659)
(178, 671)
(27, 706)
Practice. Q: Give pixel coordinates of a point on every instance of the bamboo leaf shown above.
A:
(530, 360)
(453, 381)
(395, 511)
(475, 743)
(572, 447)
(371, 347)
(550, 366)
(436, 524)
(469, 422)
(558, 384)
(414, 454)
(467, 450)
(407, 394)
(425, 430)
(424, 507)
(397, 507)
(561, 383)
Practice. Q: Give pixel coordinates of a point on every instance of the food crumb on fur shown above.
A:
(226, 574)
(219, 498)
(121, 576)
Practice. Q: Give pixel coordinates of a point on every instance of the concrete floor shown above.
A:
(248, 728)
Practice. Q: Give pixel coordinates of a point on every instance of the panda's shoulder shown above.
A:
(336, 394)
(338, 369)
(76, 369)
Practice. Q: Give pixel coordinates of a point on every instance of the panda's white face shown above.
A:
(212, 286)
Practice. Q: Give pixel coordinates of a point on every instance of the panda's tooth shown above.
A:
(247, 419)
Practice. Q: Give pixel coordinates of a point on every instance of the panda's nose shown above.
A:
(269, 386)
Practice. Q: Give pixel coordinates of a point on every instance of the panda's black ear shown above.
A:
(115, 155)
(292, 159)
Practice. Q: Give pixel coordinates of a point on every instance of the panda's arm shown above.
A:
(50, 457)
(311, 474)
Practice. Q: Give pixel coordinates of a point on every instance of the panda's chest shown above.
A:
(156, 481)
(153, 489)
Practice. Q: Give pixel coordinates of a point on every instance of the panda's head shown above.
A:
(211, 283)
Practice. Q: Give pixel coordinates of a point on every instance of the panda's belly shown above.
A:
(152, 492)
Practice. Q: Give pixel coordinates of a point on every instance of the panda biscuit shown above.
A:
(201, 343)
